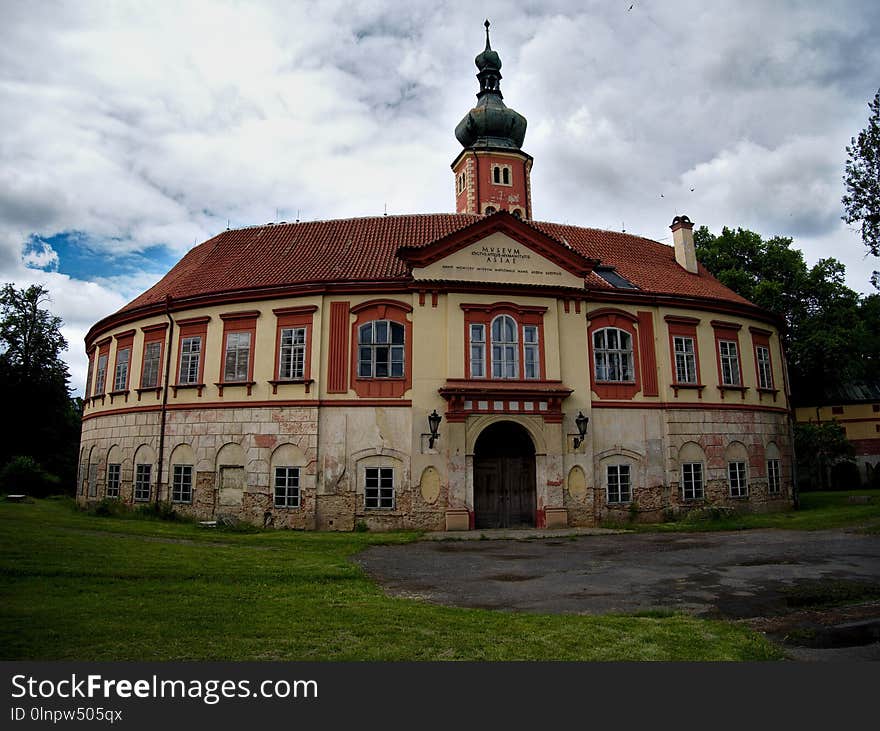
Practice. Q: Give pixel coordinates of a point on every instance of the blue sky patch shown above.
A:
(80, 258)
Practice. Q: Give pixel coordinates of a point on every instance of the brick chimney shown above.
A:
(683, 238)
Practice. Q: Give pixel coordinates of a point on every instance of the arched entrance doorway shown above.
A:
(504, 477)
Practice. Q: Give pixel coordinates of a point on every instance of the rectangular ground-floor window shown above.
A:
(142, 475)
(287, 487)
(379, 487)
(619, 485)
(736, 474)
(182, 484)
(773, 475)
(692, 481)
(113, 474)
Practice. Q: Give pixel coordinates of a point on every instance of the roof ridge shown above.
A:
(341, 220)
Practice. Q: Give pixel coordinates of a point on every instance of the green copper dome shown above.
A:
(491, 123)
(488, 58)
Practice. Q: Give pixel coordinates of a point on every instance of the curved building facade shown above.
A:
(285, 374)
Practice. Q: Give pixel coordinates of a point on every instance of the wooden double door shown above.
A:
(504, 478)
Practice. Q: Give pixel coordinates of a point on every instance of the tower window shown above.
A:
(502, 175)
(490, 210)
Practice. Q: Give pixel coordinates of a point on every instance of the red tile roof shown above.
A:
(365, 249)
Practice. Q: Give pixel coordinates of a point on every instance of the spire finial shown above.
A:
(487, 24)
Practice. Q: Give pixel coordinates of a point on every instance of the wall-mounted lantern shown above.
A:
(581, 422)
(434, 420)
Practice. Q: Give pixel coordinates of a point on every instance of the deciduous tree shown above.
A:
(42, 419)
(862, 179)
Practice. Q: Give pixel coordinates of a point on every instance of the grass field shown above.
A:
(79, 587)
(818, 511)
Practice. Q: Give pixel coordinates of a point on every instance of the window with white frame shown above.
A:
(142, 476)
(287, 487)
(120, 378)
(531, 352)
(501, 175)
(692, 481)
(381, 349)
(182, 484)
(729, 363)
(613, 354)
(774, 483)
(190, 355)
(619, 484)
(379, 487)
(292, 356)
(478, 350)
(238, 353)
(685, 359)
(150, 372)
(736, 475)
(114, 473)
(101, 380)
(505, 348)
(765, 371)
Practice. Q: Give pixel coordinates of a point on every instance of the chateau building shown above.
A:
(855, 407)
(440, 371)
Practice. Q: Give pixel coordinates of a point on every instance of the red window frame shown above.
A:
(484, 314)
(237, 322)
(684, 327)
(728, 331)
(611, 317)
(153, 334)
(123, 340)
(287, 317)
(381, 309)
(90, 371)
(103, 350)
(189, 328)
(761, 338)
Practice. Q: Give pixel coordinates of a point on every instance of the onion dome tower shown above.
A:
(492, 171)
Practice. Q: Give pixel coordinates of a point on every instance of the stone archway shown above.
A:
(504, 477)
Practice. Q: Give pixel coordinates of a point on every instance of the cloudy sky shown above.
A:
(131, 130)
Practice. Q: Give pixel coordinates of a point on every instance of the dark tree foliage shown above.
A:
(43, 422)
(821, 450)
(829, 334)
(862, 179)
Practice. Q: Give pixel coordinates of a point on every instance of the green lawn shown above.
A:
(818, 511)
(79, 587)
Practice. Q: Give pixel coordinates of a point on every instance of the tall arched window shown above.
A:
(505, 348)
(613, 351)
(381, 349)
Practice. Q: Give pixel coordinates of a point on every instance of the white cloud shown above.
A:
(40, 256)
(147, 125)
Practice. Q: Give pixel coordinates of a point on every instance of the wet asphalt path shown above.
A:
(733, 575)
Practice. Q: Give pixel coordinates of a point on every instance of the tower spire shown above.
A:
(492, 171)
